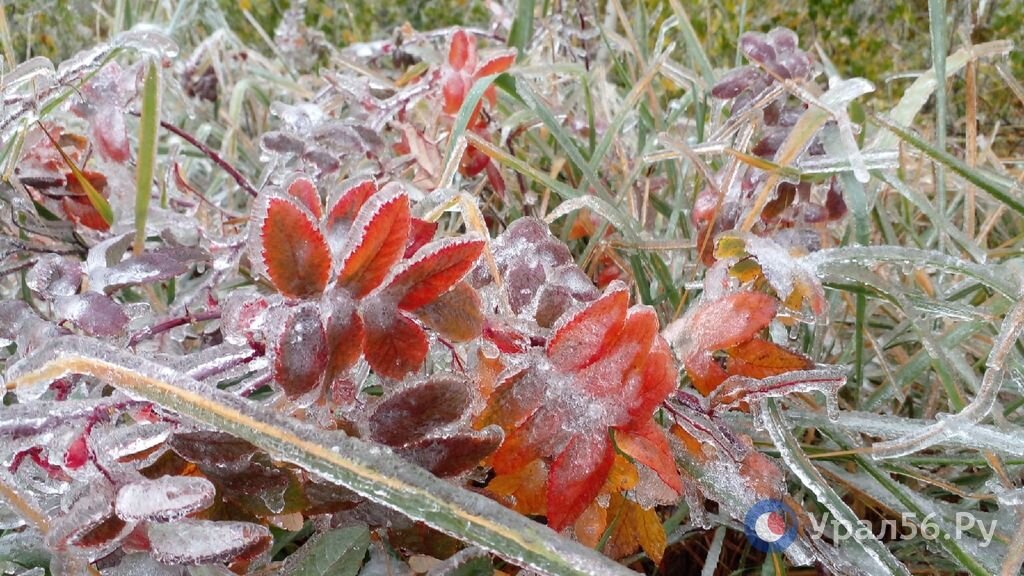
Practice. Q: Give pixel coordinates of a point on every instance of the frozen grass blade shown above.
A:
(149, 122)
(937, 20)
(367, 469)
(797, 461)
(522, 27)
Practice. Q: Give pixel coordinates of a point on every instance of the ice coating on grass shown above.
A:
(738, 389)
(124, 441)
(164, 499)
(978, 409)
(204, 542)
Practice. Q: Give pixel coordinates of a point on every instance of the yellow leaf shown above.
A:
(523, 490)
(635, 527)
(591, 524)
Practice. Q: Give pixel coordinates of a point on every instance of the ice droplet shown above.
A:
(164, 499)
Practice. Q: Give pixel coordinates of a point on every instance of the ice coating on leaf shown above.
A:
(293, 251)
(433, 271)
(244, 316)
(376, 242)
(414, 412)
(93, 313)
(451, 455)
(155, 266)
(203, 542)
(164, 499)
(53, 276)
(88, 522)
(126, 441)
(300, 351)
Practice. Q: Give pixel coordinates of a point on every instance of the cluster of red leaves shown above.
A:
(375, 276)
(592, 388)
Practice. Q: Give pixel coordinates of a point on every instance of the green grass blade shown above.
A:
(937, 19)
(522, 27)
(148, 124)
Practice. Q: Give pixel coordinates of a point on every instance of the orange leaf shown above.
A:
(604, 377)
(497, 64)
(514, 400)
(622, 477)
(759, 358)
(376, 243)
(591, 525)
(300, 354)
(522, 489)
(394, 345)
(296, 255)
(462, 52)
(580, 340)
(705, 372)
(541, 435)
(456, 314)
(345, 207)
(303, 190)
(647, 444)
(634, 528)
(577, 476)
(436, 268)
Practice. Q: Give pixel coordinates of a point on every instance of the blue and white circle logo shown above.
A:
(770, 526)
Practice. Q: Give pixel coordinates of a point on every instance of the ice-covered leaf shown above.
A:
(637, 527)
(394, 345)
(450, 455)
(303, 190)
(757, 358)
(338, 552)
(433, 271)
(462, 51)
(576, 477)
(730, 320)
(93, 313)
(344, 330)
(376, 242)
(345, 207)
(155, 266)
(647, 444)
(456, 315)
(412, 413)
(217, 449)
(300, 353)
(420, 233)
(294, 251)
(164, 499)
(54, 275)
(193, 542)
(581, 338)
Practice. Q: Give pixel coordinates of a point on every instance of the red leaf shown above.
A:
(497, 64)
(376, 243)
(436, 268)
(705, 372)
(576, 478)
(303, 190)
(78, 453)
(605, 376)
(647, 444)
(456, 314)
(453, 91)
(583, 337)
(300, 354)
(108, 130)
(296, 255)
(346, 206)
(660, 378)
(394, 345)
(514, 400)
(462, 53)
(731, 320)
(421, 232)
(413, 413)
(82, 213)
(344, 329)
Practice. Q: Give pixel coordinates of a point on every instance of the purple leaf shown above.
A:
(93, 313)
